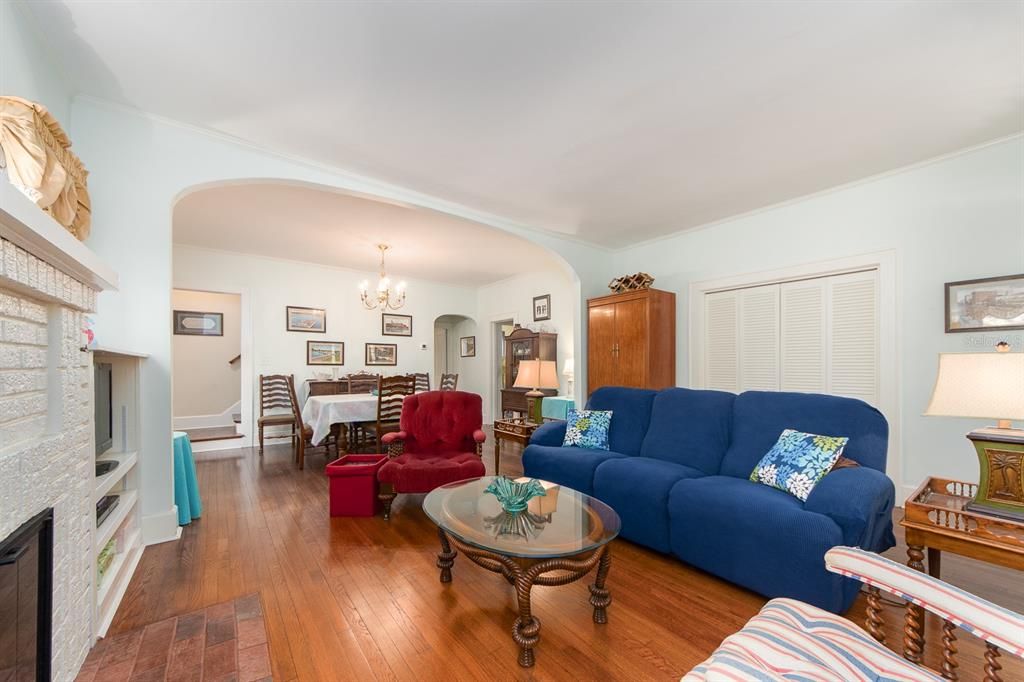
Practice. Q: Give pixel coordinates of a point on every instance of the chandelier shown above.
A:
(384, 297)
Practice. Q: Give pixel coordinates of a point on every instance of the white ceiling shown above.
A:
(319, 226)
(612, 121)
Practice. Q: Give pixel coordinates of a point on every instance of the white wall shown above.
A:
(26, 69)
(140, 165)
(512, 298)
(958, 218)
(203, 382)
(269, 285)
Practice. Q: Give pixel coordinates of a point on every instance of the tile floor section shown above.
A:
(223, 643)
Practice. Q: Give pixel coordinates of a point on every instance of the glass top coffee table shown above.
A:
(556, 540)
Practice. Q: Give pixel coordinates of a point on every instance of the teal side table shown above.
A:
(556, 407)
(186, 487)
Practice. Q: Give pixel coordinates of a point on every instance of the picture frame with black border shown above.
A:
(542, 308)
(395, 325)
(303, 319)
(970, 302)
(381, 354)
(198, 320)
(325, 353)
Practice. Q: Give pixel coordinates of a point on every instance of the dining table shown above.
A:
(322, 411)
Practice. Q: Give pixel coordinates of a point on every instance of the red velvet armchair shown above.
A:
(439, 441)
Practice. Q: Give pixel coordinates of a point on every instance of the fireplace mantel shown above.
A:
(26, 226)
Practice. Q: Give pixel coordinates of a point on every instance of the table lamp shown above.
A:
(535, 375)
(988, 385)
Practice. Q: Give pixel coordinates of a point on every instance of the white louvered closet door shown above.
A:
(759, 338)
(815, 336)
(721, 341)
(853, 336)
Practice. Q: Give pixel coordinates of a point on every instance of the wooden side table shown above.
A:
(517, 430)
(936, 519)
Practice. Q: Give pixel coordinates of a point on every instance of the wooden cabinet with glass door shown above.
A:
(631, 340)
(524, 344)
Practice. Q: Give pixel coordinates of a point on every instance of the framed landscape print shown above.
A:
(325, 353)
(542, 307)
(193, 323)
(381, 354)
(395, 325)
(299, 319)
(990, 304)
(467, 346)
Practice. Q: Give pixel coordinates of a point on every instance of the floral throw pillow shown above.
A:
(798, 461)
(588, 429)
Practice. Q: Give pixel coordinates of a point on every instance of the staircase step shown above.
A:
(237, 418)
(212, 433)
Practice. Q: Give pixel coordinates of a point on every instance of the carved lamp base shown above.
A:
(1001, 484)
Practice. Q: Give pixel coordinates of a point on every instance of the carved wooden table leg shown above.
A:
(497, 455)
(445, 558)
(526, 629)
(992, 666)
(913, 630)
(600, 598)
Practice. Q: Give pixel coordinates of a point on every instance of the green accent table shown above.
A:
(186, 487)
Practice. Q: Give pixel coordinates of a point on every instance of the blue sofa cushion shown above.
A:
(860, 501)
(632, 414)
(572, 467)
(549, 433)
(757, 537)
(637, 488)
(760, 417)
(690, 427)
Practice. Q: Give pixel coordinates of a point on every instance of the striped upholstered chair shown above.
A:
(790, 640)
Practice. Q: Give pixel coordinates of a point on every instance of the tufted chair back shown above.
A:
(439, 422)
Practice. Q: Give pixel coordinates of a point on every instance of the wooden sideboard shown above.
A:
(631, 340)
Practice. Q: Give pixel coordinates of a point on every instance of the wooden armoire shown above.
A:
(631, 340)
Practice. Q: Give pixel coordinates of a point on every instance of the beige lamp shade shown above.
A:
(981, 385)
(537, 374)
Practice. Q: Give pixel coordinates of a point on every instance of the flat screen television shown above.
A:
(104, 407)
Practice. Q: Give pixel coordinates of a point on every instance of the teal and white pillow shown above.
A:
(798, 461)
(588, 429)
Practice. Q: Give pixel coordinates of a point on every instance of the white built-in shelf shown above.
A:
(26, 225)
(125, 460)
(110, 524)
(115, 581)
(120, 352)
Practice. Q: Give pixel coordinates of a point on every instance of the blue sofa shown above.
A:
(677, 474)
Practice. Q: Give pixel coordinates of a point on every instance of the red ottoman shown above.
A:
(354, 487)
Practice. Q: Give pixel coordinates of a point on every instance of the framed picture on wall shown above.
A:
(325, 353)
(381, 354)
(299, 319)
(467, 346)
(989, 304)
(542, 307)
(395, 325)
(194, 323)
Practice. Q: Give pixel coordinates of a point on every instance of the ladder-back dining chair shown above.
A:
(449, 382)
(305, 432)
(422, 380)
(391, 391)
(362, 382)
(275, 394)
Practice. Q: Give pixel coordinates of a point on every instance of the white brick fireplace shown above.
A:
(48, 282)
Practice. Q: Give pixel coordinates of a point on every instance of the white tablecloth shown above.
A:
(320, 411)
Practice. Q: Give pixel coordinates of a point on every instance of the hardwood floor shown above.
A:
(349, 599)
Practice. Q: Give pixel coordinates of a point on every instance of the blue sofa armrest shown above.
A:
(549, 433)
(860, 501)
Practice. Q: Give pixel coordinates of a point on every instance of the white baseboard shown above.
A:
(201, 421)
(160, 527)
